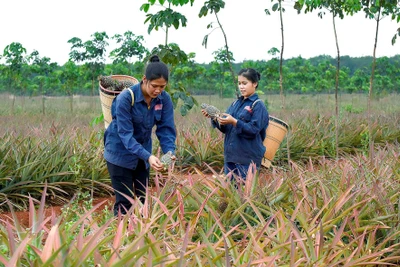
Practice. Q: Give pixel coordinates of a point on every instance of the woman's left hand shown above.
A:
(226, 118)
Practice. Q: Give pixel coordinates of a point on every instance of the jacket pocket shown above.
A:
(245, 116)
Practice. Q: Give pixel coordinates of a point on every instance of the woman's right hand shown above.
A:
(155, 163)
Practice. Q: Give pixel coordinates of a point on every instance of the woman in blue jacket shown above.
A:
(244, 125)
(127, 140)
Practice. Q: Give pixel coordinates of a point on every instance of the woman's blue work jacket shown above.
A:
(128, 138)
(243, 144)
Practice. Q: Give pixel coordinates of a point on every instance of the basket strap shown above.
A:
(132, 95)
(252, 105)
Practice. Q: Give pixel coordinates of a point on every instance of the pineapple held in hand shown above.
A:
(212, 111)
(167, 159)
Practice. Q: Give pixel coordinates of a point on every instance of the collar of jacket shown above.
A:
(253, 97)
(137, 90)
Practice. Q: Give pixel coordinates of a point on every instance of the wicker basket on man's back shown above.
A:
(109, 88)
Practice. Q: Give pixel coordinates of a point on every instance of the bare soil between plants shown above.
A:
(23, 216)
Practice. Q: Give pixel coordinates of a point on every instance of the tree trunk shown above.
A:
(336, 91)
(281, 78)
(71, 104)
(13, 104)
(23, 101)
(228, 57)
(92, 98)
(43, 105)
(43, 100)
(370, 139)
(281, 58)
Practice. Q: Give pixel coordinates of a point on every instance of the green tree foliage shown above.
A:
(70, 78)
(15, 56)
(223, 66)
(91, 52)
(41, 66)
(303, 76)
(172, 55)
(166, 17)
(130, 46)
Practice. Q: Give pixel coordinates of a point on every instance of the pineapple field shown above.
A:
(316, 206)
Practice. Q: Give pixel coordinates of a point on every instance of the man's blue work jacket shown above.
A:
(128, 138)
(243, 144)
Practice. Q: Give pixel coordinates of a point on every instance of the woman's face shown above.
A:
(246, 87)
(154, 87)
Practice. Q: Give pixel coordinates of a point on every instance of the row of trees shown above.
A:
(33, 75)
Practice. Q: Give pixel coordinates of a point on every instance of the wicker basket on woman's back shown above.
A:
(109, 88)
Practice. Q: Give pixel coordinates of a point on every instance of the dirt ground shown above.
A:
(23, 216)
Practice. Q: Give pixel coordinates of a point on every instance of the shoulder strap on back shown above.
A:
(132, 95)
(252, 105)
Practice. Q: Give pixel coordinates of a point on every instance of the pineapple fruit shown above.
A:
(212, 111)
(109, 83)
(106, 82)
(167, 160)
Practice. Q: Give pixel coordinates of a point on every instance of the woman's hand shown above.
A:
(226, 118)
(155, 163)
(205, 113)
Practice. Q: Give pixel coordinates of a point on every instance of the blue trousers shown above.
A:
(238, 170)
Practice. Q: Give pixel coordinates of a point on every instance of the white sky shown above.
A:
(47, 25)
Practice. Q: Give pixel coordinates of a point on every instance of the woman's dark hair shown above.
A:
(251, 75)
(156, 69)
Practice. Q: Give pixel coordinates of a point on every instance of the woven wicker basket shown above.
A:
(107, 97)
(276, 131)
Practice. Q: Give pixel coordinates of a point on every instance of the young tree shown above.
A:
(173, 55)
(166, 17)
(278, 7)
(130, 46)
(214, 6)
(188, 73)
(91, 52)
(336, 8)
(170, 53)
(41, 68)
(15, 57)
(69, 77)
(224, 64)
(377, 10)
